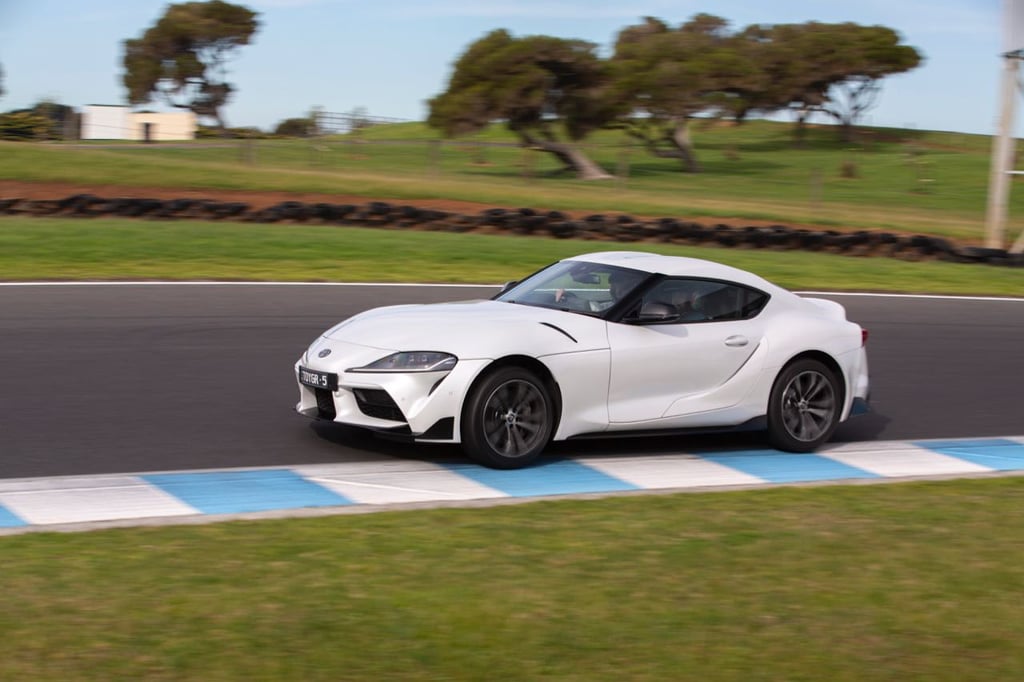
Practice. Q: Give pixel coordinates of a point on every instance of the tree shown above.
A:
(182, 59)
(2, 91)
(64, 122)
(24, 125)
(835, 69)
(669, 76)
(295, 127)
(46, 120)
(865, 55)
(781, 73)
(701, 69)
(544, 88)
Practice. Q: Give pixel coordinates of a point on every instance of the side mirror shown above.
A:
(507, 286)
(656, 313)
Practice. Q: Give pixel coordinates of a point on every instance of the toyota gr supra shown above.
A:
(610, 343)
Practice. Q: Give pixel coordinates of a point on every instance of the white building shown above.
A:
(117, 122)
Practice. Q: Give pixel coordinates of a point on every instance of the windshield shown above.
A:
(575, 286)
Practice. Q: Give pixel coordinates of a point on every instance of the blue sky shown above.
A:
(390, 56)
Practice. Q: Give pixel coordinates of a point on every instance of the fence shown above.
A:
(335, 123)
(905, 177)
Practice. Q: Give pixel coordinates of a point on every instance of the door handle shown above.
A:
(736, 341)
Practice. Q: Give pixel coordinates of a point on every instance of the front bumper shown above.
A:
(423, 405)
(860, 406)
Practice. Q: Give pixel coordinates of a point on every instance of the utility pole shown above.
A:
(1003, 152)
(1004, 144)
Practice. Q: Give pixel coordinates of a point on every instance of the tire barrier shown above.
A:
(523, 221)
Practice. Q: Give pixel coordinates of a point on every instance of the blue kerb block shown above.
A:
(562, 477)
(775, 466)
(9, 519)
(245, 491)
(998, 454)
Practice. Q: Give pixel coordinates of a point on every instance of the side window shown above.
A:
(699, 300)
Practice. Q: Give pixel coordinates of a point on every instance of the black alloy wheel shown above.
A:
(804, 407)
(508, 419)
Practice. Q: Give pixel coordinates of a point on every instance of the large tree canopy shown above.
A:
(544, 88)
(182, 59)
(668, 76)
(661, 78)
(861, 56)
(835, 69)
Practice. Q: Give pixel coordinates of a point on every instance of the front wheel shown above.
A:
(507, 419)
(804, 407)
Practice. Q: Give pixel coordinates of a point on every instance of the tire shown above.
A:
(508, 419)
(804, 406)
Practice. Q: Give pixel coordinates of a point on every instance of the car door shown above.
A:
(682, 364)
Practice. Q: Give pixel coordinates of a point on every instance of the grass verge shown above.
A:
(890, 582)
(70, 249)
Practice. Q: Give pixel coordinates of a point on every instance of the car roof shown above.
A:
(676, 266)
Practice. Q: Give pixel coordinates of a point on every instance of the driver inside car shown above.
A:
(619, 284)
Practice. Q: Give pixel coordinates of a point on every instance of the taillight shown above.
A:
(863, 337)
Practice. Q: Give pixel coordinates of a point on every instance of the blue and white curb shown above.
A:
(126, 499)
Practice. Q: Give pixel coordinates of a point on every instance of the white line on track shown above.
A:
(884, 295)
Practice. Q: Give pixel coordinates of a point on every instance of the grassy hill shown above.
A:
(914, 181)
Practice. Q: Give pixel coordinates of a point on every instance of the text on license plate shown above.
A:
(315, 379)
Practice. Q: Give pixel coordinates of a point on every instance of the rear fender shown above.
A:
(833, 310)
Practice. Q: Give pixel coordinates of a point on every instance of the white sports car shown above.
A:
(605, 343)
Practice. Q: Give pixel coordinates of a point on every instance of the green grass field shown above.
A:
(884, 582)
(913, 181)
(113, 249)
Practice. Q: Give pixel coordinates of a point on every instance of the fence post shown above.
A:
(527, 163)
(434, 158)
(817, 187)
(248, 152)
(622, 171)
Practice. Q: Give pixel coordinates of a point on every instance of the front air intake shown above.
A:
(377, 403)
(325, 404)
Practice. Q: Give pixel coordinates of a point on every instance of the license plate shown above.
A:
(315, 379)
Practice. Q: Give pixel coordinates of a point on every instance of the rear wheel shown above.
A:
(508, 419)
(804, 407)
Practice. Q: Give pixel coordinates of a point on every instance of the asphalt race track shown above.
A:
(101, 379)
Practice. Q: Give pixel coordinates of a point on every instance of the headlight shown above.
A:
(412, 361)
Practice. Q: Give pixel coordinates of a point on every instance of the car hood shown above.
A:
(473, 329)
